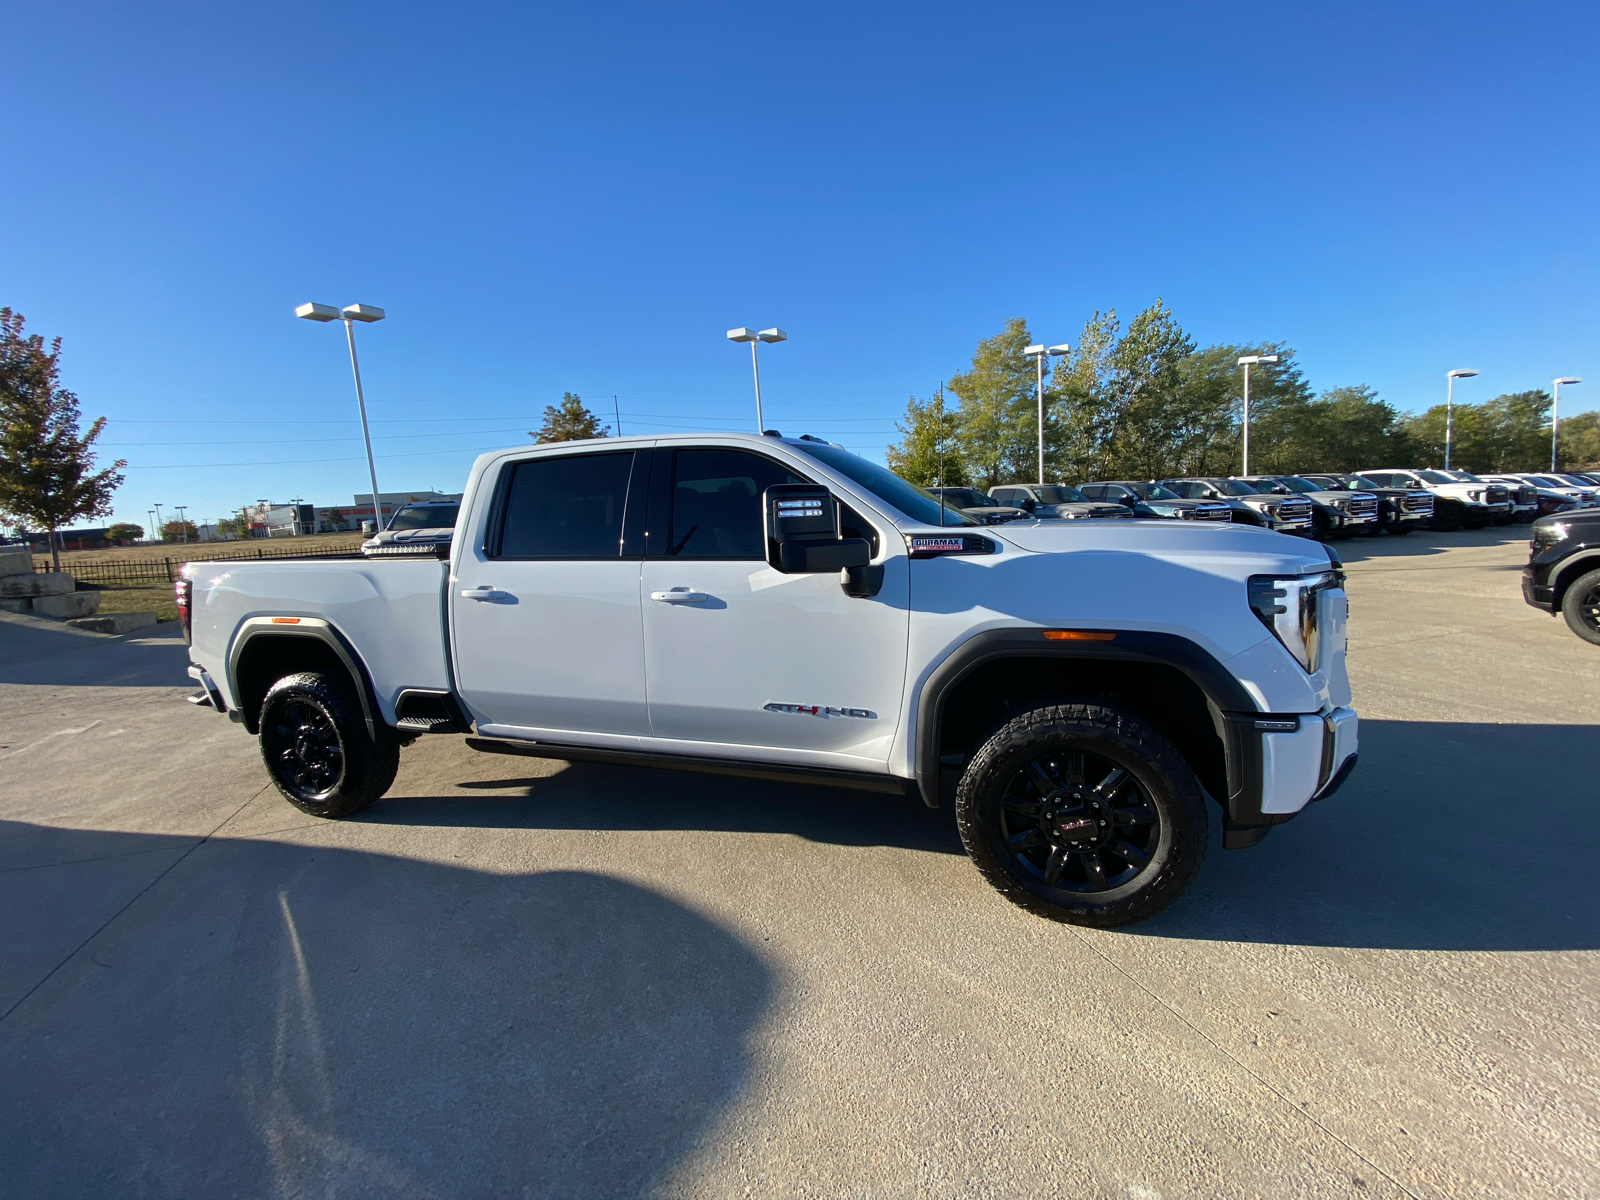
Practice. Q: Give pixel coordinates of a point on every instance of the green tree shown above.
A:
(177, 531)
(929, 452)
(124, 531)
(997, 414)
(47, 468)
(1150, 422)
(1580, 442)
(1509, 433)
(572, 422)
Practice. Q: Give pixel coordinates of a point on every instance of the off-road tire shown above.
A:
(1580, 605)
(1321, 527)
(1158, 778)
(1446, 517)
(317, 750)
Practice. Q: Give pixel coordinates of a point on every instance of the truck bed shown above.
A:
(391, 611)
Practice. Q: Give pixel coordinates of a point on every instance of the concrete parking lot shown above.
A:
(517, 978)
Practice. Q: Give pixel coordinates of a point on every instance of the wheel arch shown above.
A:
(1570, 571)
(268, 648)
(1174, 683)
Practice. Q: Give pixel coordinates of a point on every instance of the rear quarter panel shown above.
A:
(389, 610)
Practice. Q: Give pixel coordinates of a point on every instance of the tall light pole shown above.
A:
(1248, 361)
(160, 520)
(155, 531)
(1555, 416)
(1037, 353)
(742, 334)
(1450, 410)
(352, 313)
(183, 522)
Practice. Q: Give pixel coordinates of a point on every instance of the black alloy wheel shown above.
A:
(1083, 813)
(317, 748)
(306, 756)
(1580, 605)
(1446, 516)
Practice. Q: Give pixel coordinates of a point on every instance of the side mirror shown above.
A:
(802, 521)
(1027, 504)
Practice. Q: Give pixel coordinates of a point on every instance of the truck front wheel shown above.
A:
(1083, 813)
(315, 743)
(1581, 607)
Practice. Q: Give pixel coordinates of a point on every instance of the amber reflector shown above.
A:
(1077, 635)
(296, 621)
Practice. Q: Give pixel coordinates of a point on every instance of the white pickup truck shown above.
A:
(781, 609)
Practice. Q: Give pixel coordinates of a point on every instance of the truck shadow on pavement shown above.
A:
(1447, 837)
(34, 651)
(588, 796)
(1423, 542)
(271, 1019)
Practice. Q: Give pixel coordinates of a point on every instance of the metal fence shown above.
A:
(134, 571)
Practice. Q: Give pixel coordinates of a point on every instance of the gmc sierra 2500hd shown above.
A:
(781, 609)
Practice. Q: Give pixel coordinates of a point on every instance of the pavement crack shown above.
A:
(132, 900)
(1243, 1066)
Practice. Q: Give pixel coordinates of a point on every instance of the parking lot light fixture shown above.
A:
(1248, 361)
(1449, 408)
(366, 314)
(746, 334)
(1555, 415)
(1039, 352)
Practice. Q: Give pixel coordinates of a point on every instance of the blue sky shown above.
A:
(584, 197)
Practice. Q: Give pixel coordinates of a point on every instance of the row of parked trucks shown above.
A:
(1323, 505)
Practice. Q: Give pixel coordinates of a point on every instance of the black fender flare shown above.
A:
(1239, 718)
(316, 629)
(1562, 575)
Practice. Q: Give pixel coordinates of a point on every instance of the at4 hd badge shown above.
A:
(822, 710)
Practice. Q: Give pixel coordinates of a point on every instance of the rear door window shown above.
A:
(565, 507)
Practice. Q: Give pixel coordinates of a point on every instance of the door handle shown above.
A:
(680, 595)
(483, 593)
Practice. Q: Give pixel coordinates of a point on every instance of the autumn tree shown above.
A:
(47, 468)
(123, 532)
(572, 422)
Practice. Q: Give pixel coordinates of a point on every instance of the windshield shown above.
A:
(963, 497)
(1238, 487)
(1465, 476)
(1295, 484)
(915, 502)
(1153, 491)
(1360, 481)
(426, 516)
(1436, 477)
(1574, 481)
(1054, 493)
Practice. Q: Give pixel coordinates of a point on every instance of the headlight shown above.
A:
(1166, 510)
(1341, 505)
(1289, 606)
(1549, 535)
(1475, 493)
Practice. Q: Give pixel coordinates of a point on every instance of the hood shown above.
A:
(1083, 508)
(1332, 498)
(1233, 550)
(408, 541)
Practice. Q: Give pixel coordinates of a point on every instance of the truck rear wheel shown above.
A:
(1083, 813)
(1581, 607)
(315, 743)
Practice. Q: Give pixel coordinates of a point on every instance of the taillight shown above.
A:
(185, 593)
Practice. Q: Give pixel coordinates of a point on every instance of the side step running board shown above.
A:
(821, 776)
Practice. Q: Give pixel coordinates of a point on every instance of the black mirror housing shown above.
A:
(802, 527)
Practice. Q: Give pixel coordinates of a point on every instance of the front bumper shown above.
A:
(1281, 763)
(1537, 591)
